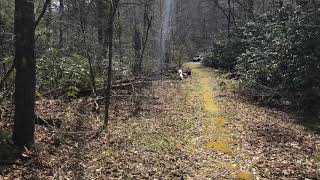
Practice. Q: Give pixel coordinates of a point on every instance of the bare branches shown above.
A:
(44, 9)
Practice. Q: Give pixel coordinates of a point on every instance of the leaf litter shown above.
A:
(189, 129)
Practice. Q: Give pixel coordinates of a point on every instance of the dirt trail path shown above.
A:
(219, 135)
(197, 129)
(192, 129)
(186, 135)
(240, 140)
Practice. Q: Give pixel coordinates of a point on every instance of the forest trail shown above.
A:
(95, 90)
(197, 128)
(187, 134)
(218, 135)
(240, 140)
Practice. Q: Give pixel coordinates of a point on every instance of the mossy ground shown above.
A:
(244, 175)
(217, 127)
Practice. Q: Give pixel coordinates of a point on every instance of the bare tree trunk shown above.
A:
(113, 9)
(2, 65)
(61, 10)
(147, 22)
(137, 45)
(83, 27)
(229, 18)
(102, 27)
(119, 37)
(140, 40)
(250, 5)
(48, 23)
(25, 64)
(100, 21)
(90, 63)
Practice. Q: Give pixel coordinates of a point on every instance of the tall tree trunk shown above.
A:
(101, 16)
(147, 22)
(140, 39)
(61, 10)
(119, 36)
(250, 4)
(25, 64)
(100, 20)
(109, 79)
(113, 9)
(83, 26)
(48, 23)
(137, 45)
(229, 18)
(2, 65)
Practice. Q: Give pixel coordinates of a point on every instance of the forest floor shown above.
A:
(192, 129)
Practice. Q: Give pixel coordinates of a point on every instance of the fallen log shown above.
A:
(125, 86)
(51, 122)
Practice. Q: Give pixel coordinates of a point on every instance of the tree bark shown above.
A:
(147, 22)
(140, 39)
(83, 25)
(113, 9)
(101, 16)
(229, 18)
(48, 23)
(25, 65)
(61, 10)
(2, 49)
(137, 46)
(119, 36)
(100, 20)
(250, 5)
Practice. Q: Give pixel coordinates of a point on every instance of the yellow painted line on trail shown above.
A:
(219, 136)
(217, 141)
(209, 103)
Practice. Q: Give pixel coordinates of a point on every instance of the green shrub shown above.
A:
(224, 55)
(57, 71)
(72, 92)
(282, 57)
(277, 56)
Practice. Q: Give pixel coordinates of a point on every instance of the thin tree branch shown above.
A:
(44, 9)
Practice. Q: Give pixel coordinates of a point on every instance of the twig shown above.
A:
(56, 174)
(46, 3)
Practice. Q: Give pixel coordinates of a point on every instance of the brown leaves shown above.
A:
(280, 148)
(171, 138)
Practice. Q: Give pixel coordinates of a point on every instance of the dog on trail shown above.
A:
(180, 74)
(184, 73)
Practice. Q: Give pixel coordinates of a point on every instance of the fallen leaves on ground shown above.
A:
(172, 137)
